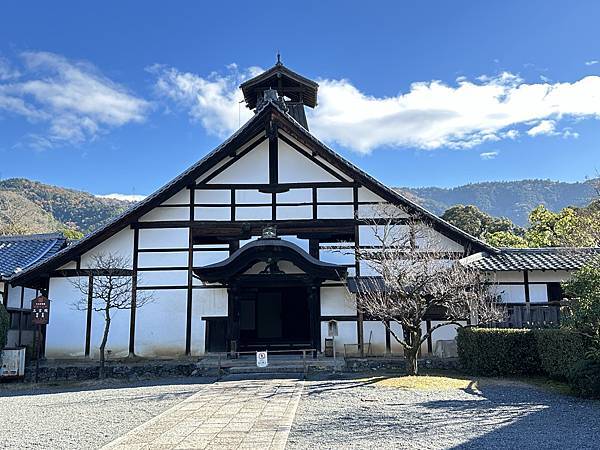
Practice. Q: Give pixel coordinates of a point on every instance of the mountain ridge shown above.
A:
(28, 206)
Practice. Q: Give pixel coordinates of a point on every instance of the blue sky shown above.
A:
(123, 96)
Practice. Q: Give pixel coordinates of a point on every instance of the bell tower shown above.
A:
(291, 91)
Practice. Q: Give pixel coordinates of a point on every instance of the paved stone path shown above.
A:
(234, 413)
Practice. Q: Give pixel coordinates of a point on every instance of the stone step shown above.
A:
(264, 370)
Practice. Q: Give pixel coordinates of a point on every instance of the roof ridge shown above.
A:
(32, 237)
(546, 249)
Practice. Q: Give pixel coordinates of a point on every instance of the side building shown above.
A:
(17, 253)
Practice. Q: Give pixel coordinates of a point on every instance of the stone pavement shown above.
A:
(236, 412)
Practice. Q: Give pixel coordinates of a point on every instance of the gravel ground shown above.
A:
(358, 414)
(84, 416)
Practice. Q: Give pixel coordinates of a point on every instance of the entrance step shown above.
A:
(278, 364)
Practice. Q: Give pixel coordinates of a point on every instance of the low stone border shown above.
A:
(362, 364)
(154, 369)
(119, 371)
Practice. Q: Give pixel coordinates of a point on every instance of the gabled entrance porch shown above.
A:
(273, 297)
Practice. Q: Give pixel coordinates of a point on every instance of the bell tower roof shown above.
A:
(286, 82)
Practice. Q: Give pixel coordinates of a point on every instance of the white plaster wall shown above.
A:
(375, 331)
(120, 244)
(198, 329)
(252, 196)
(335, 195)
(65, 334)
(162, 214)
(160, 325)
(303, 195)
(366, 195)
(341, 256)
(250, 168)
(510, 293)
(163, 259)
(164, 238)
(69, 265)
(551, 276)
(538, 293)
(204, 258)
(182, 197)
(224, 161)
(163, 278)
(337, 301)
(210, 302)
(335, 212)
(368, 235)
(432, 240)
(212, 213)
(294, 167)
(302, 243)
(395, 347)
(213, 197)
(118, 336)
(14, 297)
(508, 277)
(294, 212)
(253, 213)
(346, 335)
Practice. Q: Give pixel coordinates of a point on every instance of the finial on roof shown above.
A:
(278, 58)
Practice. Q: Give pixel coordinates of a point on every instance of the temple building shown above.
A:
(241, 251)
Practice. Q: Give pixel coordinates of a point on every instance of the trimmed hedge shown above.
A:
(560, 350)
(4, 324)
(584, 378)
(493, 352)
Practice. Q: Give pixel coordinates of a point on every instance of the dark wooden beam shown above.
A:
(190, 281)
(280, 187)
(88, 322)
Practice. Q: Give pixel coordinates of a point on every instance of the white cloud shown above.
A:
(547, 127)
(488, 155)
(430, 115)
(592, 62)
(126, 197)
(7, 71)
(72, 99)
(213, 101)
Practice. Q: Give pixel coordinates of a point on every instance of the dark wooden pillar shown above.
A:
(88, 321)
(233, 319)
(134, 280)
(388, 338)
(190, 279)
(314, 311)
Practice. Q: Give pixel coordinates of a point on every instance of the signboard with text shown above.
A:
(40, 310)
(261, 359)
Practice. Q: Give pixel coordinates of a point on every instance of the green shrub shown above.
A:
(559, 350)
(492, 352)
(4, 324)
(584, 378)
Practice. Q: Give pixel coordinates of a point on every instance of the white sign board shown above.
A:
(261, 359)
(12, 362)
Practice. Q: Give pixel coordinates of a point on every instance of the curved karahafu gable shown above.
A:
(271, 252)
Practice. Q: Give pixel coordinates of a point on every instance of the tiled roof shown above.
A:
(558, 258)
(19, 252)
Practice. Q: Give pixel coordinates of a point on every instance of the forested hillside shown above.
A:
(32, 207)
(511, 199)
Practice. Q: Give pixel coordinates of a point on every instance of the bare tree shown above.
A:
(411, 277)
(108, 284)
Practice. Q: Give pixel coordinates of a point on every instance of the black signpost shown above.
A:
(40, 315)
